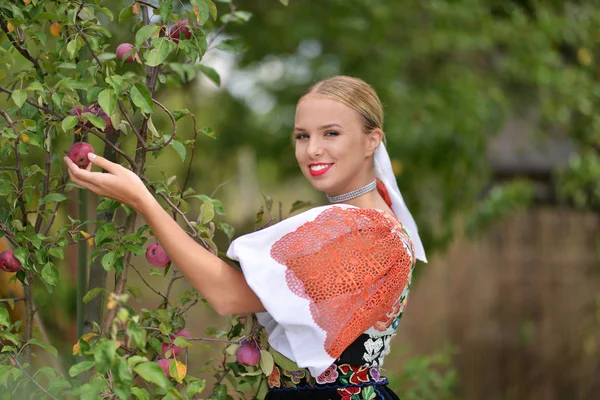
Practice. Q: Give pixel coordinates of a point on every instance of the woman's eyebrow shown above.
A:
(297, 128)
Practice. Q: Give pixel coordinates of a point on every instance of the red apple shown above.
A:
(123, 49)
(164, 364)
(180, 29)
(175, 350)
(247, 354)
(157, 256)
(8, 262)
(78, 153)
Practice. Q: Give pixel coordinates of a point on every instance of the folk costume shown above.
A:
(334, 281)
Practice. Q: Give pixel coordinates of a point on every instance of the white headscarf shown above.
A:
(383, 171)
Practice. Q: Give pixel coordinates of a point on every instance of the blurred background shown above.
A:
(492, 126)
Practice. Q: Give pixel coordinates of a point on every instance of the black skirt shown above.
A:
(374, 392)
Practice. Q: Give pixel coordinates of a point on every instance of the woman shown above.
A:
(330, 284)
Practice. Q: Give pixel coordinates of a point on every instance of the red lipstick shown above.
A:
(320, 171)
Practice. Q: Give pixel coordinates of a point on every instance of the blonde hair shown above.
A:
(356, 94)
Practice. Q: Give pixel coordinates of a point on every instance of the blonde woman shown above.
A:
(329, 285)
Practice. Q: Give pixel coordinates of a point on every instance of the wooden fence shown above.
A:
(522, 304)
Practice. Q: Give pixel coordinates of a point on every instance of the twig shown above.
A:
(173, 122)
(42, 108)
(146, 4)
(82, 34)
(215, 340)
(187, 308)
(31, 378)
(135, 130)
(42, 208)
(12, 300)
(173, 279)
(212, 195)
(18, 166)
(223, 375)
(232, 8)
(147, 284)
(7, 168)
(21, 50)
(187, 176)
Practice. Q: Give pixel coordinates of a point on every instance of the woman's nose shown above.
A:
(314, 148)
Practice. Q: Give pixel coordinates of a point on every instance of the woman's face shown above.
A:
(332, 149)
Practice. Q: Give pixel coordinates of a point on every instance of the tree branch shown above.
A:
(21, 50)
(32, 379)
(173, 122)
(12, 300)
(42, 108)
(18, 167)
(42, 208)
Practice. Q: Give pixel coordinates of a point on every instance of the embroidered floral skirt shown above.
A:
(346, 382)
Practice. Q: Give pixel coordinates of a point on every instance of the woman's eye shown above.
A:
(331, 133)
(301, 136)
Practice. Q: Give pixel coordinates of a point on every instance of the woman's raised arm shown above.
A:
(223, 286)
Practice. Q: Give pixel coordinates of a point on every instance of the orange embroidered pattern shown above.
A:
(352, 264)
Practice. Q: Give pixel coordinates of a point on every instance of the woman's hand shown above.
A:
(118, 183)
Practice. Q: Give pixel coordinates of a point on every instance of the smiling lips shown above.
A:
(318, 169)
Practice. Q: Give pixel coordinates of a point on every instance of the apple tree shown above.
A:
(64, 86)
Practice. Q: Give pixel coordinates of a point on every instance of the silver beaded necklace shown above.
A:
(353, 194)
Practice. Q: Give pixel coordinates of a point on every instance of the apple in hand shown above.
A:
(78, 153)
(157, 256)
(171, 346)
(8, 262)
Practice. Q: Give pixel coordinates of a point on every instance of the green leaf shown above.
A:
(196, 387)
(104, 355)
(178, 114)
(104, 232)
(152, 373)
(57, 252)
(5, 188)
(159, 51)
(19, 96)
(203, 11)
(89, 296)
(53, 198)
(145, 33)
(219, 392)
(126, 13)
(72, 49)
(108, 100)
(116, 81)
(108, 261)
(50, 274)
(141, 97)
(179, 148)
(266, 362)
(97, 121)
(210, 73)
(212, 8)
(79, 368)
(182, 342)
(140, 394)
(207, 211)
(43, 345)
(283, 361)
(69, 123)
(21, 254)
(165, 9)
(4, 316)
(284, 2)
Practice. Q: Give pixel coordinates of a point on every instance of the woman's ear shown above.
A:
(374, 138)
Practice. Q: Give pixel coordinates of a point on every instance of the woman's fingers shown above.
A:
(103, 163)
